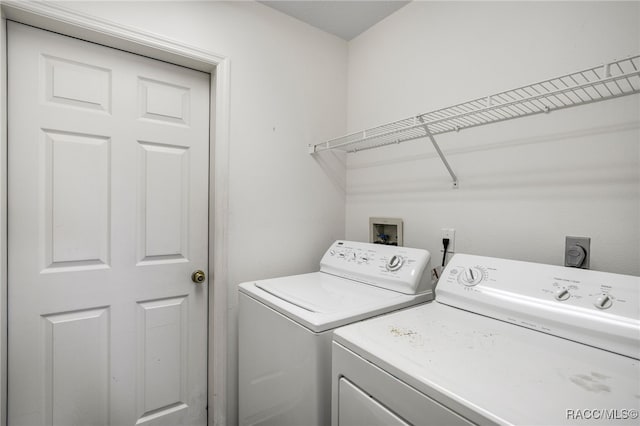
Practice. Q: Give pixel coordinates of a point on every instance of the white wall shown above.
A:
(288, 89)
(524, 184)
(3, 223)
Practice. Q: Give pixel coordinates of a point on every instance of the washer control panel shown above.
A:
(401, 269)
(596, 308)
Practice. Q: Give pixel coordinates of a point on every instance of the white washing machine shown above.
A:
(286, 325)
(505, 342)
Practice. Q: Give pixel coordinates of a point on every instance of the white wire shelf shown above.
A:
(608, 81)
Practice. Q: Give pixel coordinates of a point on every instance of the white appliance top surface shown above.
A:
(356, 281)
(493, 371)
(322, 301)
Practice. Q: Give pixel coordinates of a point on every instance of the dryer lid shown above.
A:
(490, 371)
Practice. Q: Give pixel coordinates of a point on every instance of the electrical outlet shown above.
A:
(577, 252)
(449, 233)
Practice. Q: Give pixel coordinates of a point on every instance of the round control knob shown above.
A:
(470, 276)
(562, 294)
(394, 263)
(603, 302)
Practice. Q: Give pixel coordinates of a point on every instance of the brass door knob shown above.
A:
(198, 277)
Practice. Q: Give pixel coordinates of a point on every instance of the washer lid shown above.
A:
(490, 371)
(321, 301)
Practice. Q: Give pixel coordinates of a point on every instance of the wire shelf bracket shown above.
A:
(609, 81)
(440, 154)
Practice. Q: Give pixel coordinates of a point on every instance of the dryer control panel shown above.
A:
(401, 269)
(596, 308)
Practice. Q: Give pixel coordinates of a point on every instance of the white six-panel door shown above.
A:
(107, 200)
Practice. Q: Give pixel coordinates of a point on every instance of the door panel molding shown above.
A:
(62, 20)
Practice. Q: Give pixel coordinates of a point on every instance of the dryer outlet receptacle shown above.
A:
(577, 252)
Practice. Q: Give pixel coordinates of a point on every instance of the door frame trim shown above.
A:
(52, 17)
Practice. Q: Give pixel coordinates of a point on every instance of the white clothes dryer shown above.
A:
(286, 325)
(505, 342)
